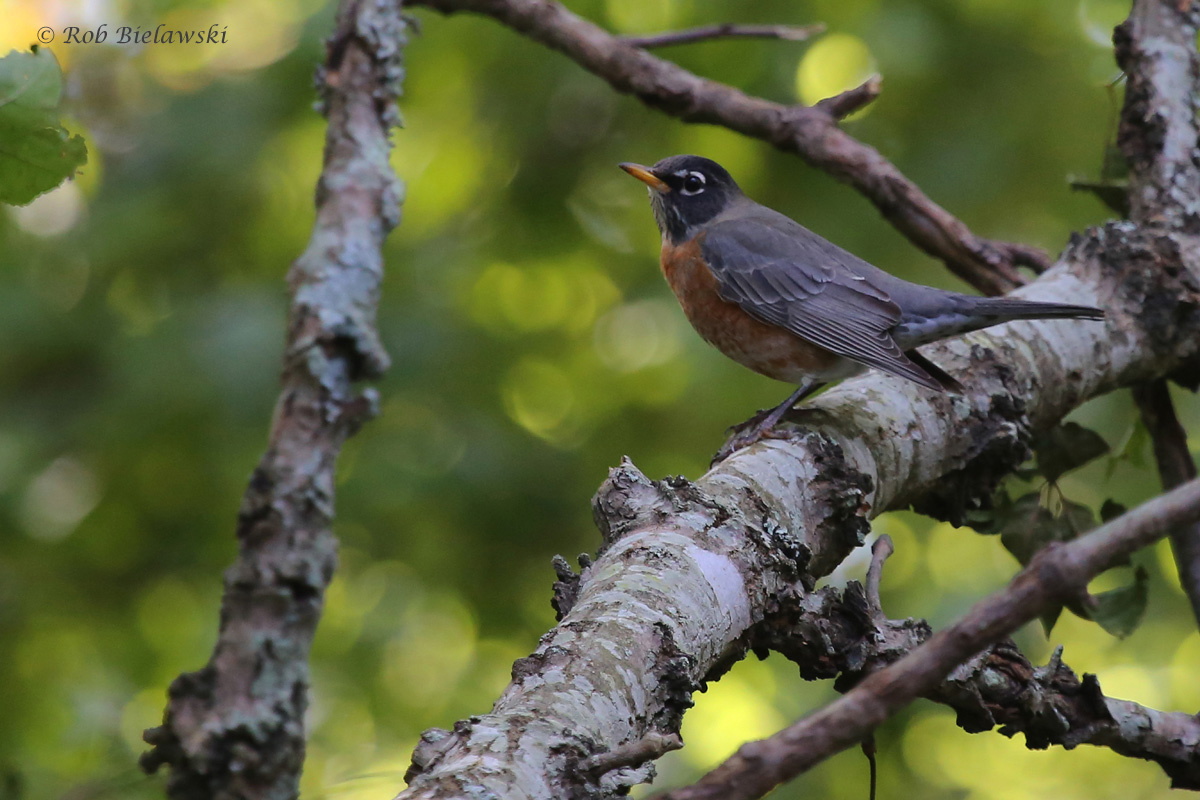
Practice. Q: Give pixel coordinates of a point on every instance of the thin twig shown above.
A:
(1053, 576)
(726, 30)
(811, 132)
(869, 749)
(235, 728)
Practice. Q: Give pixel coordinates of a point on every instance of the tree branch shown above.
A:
(235, 729)
(1156, 47)
(726, 30)
(843, 105)
(1175, 466)
(687, 570)
(809, 131)
(837, 634)
(1055, 575)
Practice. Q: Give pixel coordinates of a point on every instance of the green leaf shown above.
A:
(989, 520)
(1134, 448)
(1027, 473)
(1077, 517)
(1119, 611)
(1049, 618)
(1114, 167)
(1027, 527)
(1114, 194)
(1110, 510)
(1067, 447)
(36, 152)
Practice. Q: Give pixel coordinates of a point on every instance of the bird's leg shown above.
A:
(757, 429)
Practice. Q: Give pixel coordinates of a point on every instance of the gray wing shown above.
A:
(783, 274)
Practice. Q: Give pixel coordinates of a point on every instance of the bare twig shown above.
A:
(1053, 576)
(809, 131)
(727, 30)
(235, 729)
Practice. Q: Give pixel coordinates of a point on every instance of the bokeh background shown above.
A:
(534, 344)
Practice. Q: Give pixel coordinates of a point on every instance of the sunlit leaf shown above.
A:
(36, 151)
(1119, 611)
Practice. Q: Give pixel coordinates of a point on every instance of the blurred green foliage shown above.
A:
(534, 343)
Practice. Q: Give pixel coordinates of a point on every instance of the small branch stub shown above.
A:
(843, 105)
(651, 746)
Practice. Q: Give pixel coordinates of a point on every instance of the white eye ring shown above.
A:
(688, 178)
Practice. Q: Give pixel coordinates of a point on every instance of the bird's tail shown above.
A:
(1006, 308)
(943, 378)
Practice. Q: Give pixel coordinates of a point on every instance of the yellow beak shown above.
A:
(644, 175)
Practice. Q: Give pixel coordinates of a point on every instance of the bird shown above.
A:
(785, 302)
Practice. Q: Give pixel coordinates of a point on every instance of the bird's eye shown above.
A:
(693, 183)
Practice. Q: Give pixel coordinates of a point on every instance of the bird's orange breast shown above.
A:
(767, 349)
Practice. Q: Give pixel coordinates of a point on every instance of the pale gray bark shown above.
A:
(688, 569)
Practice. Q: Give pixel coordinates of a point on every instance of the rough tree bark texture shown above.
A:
(689, 572)
(688, 569)
(235, 729)
(1156, 47)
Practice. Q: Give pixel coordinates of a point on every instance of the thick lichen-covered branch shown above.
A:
(689, 569)
(235, 729)
(809, 131)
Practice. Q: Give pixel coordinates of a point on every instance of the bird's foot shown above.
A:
(760, 426)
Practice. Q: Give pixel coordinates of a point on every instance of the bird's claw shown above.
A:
(746, 434)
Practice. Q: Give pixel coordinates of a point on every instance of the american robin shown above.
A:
(777, 298)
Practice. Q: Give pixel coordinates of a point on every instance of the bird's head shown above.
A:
(685, 192)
